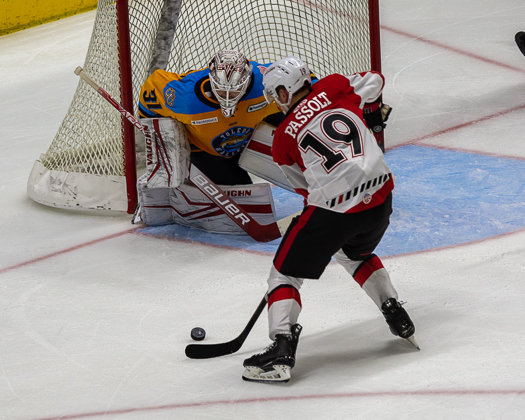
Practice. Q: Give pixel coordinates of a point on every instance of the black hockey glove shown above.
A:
(375, 115)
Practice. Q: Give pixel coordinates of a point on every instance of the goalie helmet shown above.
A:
(291, 73)
(230, 75)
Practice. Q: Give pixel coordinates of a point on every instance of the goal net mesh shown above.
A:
(329, 35)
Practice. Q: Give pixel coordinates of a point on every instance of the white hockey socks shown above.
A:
(371, 276)
(284, 302)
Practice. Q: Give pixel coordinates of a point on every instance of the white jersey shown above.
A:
(326, 150)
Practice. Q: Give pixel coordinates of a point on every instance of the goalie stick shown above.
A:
(261, 233)
(208, 351)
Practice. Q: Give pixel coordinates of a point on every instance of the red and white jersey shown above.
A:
(326, 150)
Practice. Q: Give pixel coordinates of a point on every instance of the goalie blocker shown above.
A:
(167, 152)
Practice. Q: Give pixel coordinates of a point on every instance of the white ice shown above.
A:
(94, 319)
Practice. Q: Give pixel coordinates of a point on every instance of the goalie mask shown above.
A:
(290, 73)
(230, 75)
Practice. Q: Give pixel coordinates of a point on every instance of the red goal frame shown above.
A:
(127, 92)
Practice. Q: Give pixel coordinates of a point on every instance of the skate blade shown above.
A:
(279, 374)
(412, 340)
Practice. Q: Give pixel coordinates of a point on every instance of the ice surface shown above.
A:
(95, 314)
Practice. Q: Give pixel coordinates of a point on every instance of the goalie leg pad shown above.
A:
(154, 204)
(167, 152)
(188, 206)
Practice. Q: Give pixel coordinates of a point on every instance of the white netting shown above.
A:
(329, 35)
(90, 139)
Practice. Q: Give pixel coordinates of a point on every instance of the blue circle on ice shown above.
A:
(442, 198)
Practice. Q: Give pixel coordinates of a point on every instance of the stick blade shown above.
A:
(209, 351)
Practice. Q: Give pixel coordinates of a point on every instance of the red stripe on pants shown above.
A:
(290, 237)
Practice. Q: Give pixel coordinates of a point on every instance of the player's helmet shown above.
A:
(291, 73)
(230, 75)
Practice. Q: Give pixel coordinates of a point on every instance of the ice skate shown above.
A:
(398, 320)
(275, 363)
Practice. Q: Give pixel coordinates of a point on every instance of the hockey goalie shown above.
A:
(206, 117)
(167, 196)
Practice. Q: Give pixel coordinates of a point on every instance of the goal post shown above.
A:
(95, 157)
(126, 90)
(375, 35)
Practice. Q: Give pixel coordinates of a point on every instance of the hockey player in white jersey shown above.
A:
(330, 157)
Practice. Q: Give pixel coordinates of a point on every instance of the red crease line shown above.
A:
(460, 126)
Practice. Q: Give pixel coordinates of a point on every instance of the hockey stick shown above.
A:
(208, 351)
(84, 76)
(261, 233)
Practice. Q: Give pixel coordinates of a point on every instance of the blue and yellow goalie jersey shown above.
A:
(188, 98)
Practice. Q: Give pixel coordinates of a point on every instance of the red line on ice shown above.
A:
(426, 393)
(453, 49)
(458, 127)
(64, 251)
(409, 142)
(467, 124)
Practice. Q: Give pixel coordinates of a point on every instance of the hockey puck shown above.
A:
(198, 334)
